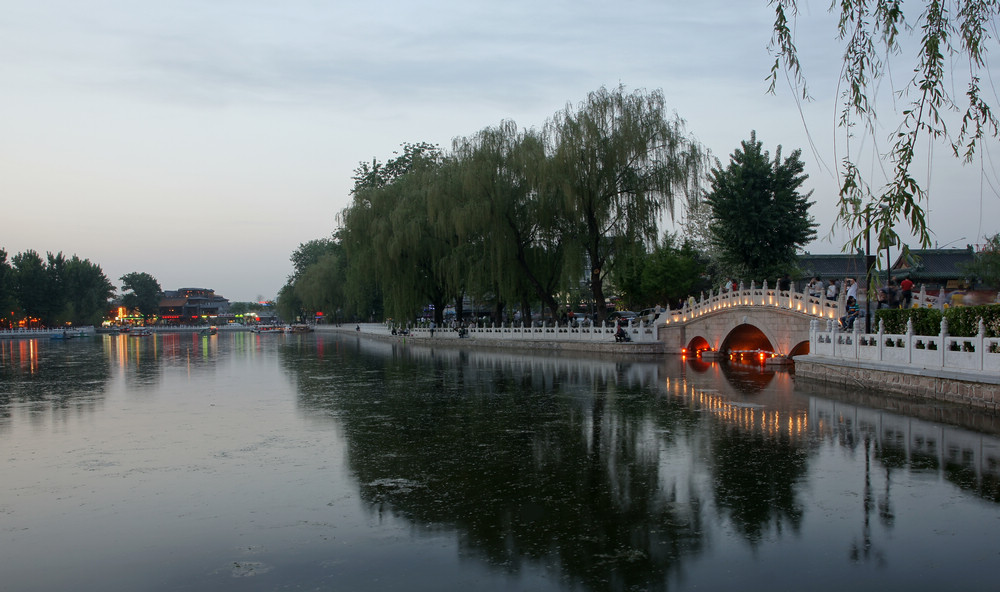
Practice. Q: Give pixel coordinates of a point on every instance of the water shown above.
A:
(318, 462)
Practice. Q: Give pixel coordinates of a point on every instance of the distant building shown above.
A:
(932, 268)
(935, 268)
(835, 267)
(188, 305)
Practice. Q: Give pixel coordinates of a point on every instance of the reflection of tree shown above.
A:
(527, 464)
(865, 550)
(964, 475)
(755, 478)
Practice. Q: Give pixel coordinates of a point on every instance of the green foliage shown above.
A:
(519, 240)
(88, 292)
(309, 253)
(926, 321)
(289, 305)
(672, 274)
(963, 321)
(617, 163)
(759, 218)
(986, 265)
(8, 296)
(319, 288)
(31, 286)
(664, 276)
(951, 34)
(141, 292)
(54, 291)
(514, 216)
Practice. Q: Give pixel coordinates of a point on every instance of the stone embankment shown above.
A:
(964, 370)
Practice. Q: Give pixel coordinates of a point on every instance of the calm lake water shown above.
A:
(325, 462)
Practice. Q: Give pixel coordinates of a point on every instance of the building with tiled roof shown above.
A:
(188, 305)
(837, 267)
(934, 267)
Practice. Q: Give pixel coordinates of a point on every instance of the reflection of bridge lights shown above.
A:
(753, 355)
(748, 417)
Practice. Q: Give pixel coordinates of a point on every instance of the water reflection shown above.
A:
(553, 462)
(53, 377)
(613, 471)
(348, 460)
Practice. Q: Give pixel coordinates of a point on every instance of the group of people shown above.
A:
(893, 295)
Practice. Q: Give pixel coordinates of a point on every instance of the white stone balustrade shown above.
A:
(908, 352)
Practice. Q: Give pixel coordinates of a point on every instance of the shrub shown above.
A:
(963, 321)
(926, 321)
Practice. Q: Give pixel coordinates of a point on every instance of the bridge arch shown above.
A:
(748, 327)
(746, 337)
(698, 344)
(800, 349)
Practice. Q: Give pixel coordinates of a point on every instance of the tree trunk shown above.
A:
(597, 287)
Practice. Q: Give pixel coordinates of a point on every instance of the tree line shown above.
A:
(52, 291)
(549, 218)
(57, 291)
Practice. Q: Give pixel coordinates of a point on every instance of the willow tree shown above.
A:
(523, 244)
(320, 286)
(618, 161)
(955, 37)
(405, 248)
(369, 216)
(456, 234)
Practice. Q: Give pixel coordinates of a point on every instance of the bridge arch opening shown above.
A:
(746, 338)
(697, 345)
(799, 350)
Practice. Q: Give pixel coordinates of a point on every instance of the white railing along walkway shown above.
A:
(638, 332)
(44, 332)
(908, 352)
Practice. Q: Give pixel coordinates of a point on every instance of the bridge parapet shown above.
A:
(754, 296)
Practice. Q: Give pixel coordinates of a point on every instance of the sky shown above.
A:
(203, 141)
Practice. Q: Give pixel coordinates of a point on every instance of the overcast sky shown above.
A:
(203, 141)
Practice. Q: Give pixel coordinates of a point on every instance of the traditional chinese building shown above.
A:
(190, 305)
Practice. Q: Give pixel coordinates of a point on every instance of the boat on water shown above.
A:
(208, 331)
(141, 332)
(65, 335)
(268, 329)
(298, 328)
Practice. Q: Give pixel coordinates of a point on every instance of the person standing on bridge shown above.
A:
(816, 287)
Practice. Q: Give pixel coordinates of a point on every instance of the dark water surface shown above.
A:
(318, 462)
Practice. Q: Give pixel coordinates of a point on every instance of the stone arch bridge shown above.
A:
(746, 319)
